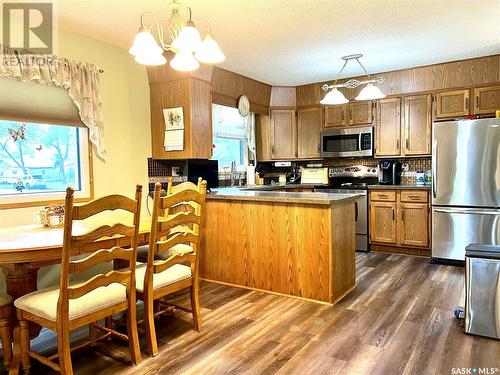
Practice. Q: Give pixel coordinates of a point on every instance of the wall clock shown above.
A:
(244, 105)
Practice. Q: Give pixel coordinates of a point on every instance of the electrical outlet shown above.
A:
(175, 171)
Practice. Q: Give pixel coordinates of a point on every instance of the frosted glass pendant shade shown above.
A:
(184, 61)
(152, 59)
(209, 51)
(370, 92)
(188, 39)
(334, 97)
(145, 44)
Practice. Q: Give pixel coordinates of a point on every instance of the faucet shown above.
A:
(233, 173)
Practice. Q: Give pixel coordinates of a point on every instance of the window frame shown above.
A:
(57, 197)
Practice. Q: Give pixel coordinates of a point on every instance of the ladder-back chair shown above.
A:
(74, 305)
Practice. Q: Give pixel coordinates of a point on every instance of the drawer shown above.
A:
(421, 196)
(383, 195)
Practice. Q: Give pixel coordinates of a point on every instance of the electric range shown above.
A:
(354, 180)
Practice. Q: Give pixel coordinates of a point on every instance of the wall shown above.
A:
(125, 98)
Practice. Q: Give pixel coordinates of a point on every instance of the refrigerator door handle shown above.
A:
(434, 169)
(468, 211)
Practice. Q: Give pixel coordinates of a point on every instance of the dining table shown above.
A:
(25, 249)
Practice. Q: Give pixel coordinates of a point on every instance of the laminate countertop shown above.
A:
(279, 196)
(399, 187)
(280, 187)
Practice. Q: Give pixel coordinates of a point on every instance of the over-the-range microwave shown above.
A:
(347, 142)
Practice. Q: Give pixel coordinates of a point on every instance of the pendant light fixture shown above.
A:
(369, 92)
(186, 42)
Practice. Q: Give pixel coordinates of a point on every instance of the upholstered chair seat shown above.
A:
(180, 249)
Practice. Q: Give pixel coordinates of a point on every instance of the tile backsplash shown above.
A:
(161, 170)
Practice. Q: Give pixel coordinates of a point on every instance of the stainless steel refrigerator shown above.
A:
(465, 186)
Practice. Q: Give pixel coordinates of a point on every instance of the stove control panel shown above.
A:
(353, 171)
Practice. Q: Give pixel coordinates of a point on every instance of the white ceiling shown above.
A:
(292, 42)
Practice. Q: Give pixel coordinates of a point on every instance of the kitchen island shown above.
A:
(290, 243)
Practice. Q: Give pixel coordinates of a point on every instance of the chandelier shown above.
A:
(369, 92)
(185, 42)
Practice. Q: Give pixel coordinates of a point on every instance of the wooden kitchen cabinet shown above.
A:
(486, 100)
(309, 121)
(283, 134)
(360, 113)
(417, 125)
(399, 219)
(335, 116)
(451, 104)
(383, 224)
(413, 224)
(388, 128)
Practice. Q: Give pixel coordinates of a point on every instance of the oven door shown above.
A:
(347, 142)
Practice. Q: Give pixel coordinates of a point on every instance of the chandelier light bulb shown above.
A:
(370, 92)
(209, 51)
(188, 39)
(144, 43)
(184, 61)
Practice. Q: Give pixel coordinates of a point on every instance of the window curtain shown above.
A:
(250, 136)
(81, 82)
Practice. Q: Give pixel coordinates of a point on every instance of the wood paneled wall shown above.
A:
(227, 87)
(445, 76)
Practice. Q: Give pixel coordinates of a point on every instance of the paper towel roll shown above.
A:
(250, 175)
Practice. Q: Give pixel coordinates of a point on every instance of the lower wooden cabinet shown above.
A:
(383, 225)
(400, 218)
(414, 224)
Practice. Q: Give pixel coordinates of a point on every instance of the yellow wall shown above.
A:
(125, 98)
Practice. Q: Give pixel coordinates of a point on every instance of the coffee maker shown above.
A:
(389, 172)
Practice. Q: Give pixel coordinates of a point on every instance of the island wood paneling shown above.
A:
(283, 97)
(227, 87)
(305, 251)
(445, 76)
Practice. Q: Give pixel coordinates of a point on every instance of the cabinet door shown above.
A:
(263, 137)
(309, 121)
(486, 100)
(360, 113)
(383, 228)
(388, 134)
(414, 224)
(417, 125)
(335, 116)
(452, 104)
(283, 134)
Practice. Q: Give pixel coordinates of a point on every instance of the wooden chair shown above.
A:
(5, 328)
(74, 305)
(170, 234)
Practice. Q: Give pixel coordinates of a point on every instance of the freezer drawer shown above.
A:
(455, 228)
(482, 295)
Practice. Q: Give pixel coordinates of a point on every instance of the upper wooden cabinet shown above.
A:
(309, 122)
(283, 134)
(335, 116)
(388, 128)
(417, 125)
(360, 113)
(350, 114)
(451, 104)
(486, 100)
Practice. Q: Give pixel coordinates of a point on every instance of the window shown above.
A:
(38, 162)
(229, 137)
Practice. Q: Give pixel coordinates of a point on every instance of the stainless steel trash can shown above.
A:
(482, 295)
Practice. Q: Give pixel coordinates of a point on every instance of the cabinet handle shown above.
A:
(383, 195)
(403, 214)
(272, 150)
(407, 144)
(477, 101)
(414, 197)
(343, 116)
(319, 148)
(466, 103)
(393, 215)
(397, 144)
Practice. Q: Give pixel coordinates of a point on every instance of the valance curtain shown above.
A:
(80, 80)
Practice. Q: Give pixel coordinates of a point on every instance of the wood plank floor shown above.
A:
(399, 320)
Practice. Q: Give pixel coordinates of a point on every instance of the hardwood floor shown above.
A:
(399, 320)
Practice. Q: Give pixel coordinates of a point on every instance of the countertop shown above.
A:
(279, 187)
(279, 196)
(400, 187)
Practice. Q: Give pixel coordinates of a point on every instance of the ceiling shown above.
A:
(293, 42)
